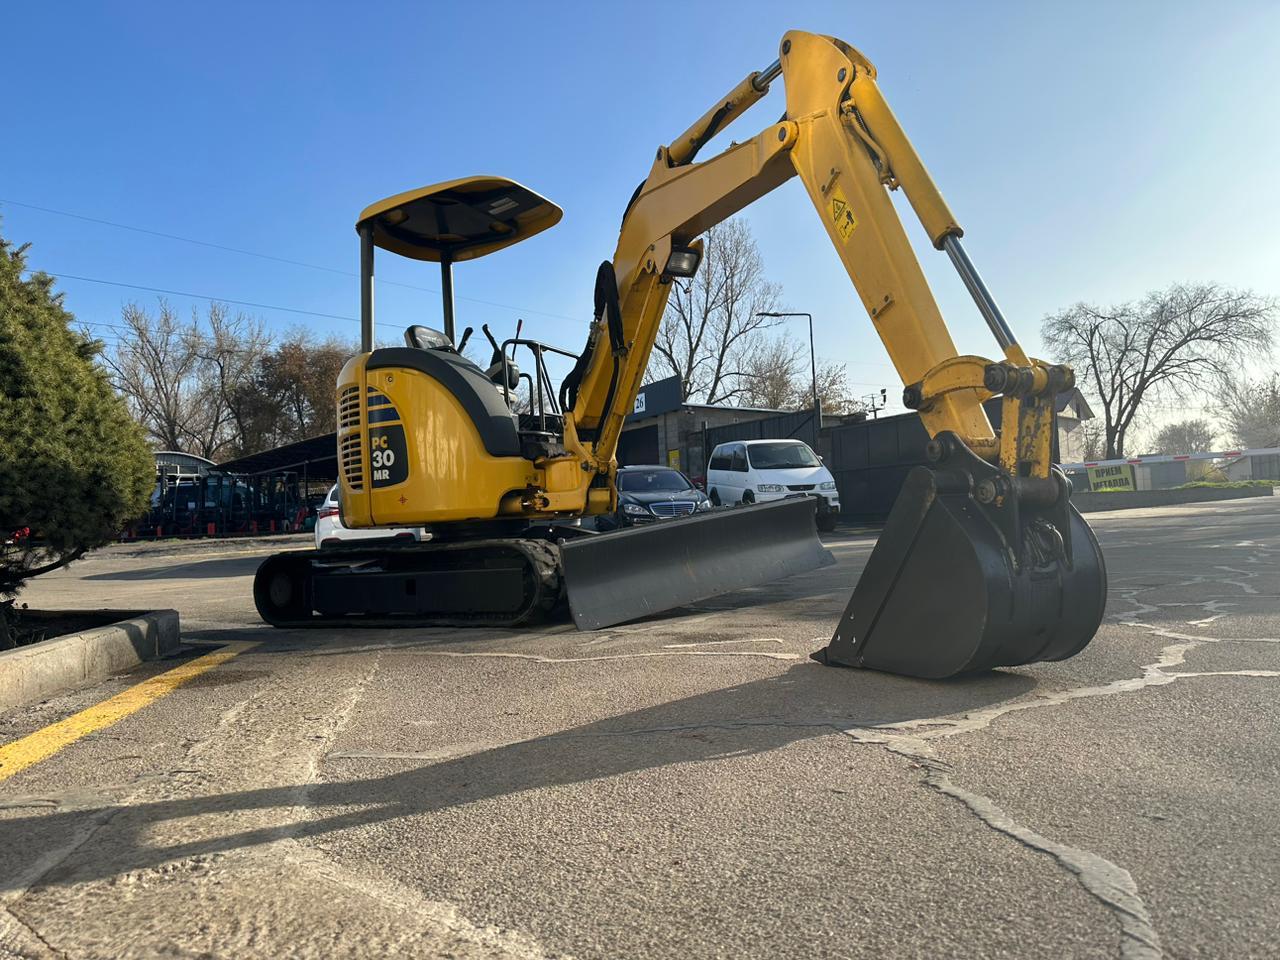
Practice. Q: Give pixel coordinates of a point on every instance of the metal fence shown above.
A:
(871, 459)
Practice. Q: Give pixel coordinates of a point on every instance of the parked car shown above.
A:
(648, 493)
(756, 471)
(330, 531)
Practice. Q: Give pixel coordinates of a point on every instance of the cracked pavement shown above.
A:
(689, 786)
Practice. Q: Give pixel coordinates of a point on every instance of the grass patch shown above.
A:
(1226, 484)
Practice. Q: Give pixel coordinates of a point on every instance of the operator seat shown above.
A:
(425, 338)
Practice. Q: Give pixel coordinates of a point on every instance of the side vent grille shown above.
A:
(349, 448)
(349, 407)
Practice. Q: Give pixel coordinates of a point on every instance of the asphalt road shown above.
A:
(690, 786)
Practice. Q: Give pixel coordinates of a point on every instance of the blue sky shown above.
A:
(1091, 150)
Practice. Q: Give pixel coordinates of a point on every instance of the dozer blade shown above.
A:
(621, 576)
(956, 586)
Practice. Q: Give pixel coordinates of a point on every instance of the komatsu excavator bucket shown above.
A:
(615, 577)
(974, 570)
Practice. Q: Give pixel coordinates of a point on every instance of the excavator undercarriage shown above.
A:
(600, 579)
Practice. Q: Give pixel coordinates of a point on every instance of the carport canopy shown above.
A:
(316, 458)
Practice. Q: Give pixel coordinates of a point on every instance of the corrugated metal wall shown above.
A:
(788, 426)
(871, 459)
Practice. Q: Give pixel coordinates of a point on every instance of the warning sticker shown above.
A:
(841, 215)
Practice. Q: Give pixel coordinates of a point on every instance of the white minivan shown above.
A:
(755, 471)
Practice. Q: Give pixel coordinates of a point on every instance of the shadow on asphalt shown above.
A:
(187, 570)
(806, 702)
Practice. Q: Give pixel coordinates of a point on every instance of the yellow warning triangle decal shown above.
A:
(837, 208)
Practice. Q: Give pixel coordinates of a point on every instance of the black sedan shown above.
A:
(655, 493)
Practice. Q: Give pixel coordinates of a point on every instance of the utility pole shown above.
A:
(870, 400)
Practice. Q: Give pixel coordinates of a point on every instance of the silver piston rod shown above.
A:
(766, 76)
(978, 290)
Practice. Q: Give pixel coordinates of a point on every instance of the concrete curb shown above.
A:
(50, 667)
(1095, 502)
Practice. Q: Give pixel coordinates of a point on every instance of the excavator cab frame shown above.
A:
(447, 223)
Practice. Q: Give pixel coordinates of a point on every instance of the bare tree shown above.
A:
(298, 376)
(776, 374)
(1093, 437)
(833, 389)
(711, 328)
(1169, 343)
(219, 386)
(1252, 411)
(1186, 436)
(770, 372)
(231, 349)
(154, 366)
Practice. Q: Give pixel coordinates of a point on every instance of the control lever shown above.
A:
(519, 327)
(497, 363)
(466, 335)
(497, 350)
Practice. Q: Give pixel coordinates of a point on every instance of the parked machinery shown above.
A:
(983, 562)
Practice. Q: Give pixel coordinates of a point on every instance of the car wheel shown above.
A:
(748, 497)
(826, 522)
(715, 498)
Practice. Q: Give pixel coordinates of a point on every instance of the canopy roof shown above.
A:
(458, 219)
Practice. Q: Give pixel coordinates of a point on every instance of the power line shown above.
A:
(268, 256)
(174, 236)
(310, 266)
(200, 296)
(296, 263)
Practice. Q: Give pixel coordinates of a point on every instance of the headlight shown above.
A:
(634, 509)
(683, 262)
(769, 487)
(827, 485)
(703, 505)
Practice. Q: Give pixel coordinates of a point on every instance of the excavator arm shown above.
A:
(984, 540)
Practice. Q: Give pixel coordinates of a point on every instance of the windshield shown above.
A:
(780, 456)
(652, 481)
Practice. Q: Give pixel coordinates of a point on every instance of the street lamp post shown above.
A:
(813, 363)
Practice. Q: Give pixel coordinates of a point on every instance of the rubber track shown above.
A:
(549, 602)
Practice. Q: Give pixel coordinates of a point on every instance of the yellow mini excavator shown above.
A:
(983, 562)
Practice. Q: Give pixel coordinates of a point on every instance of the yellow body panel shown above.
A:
(449, 476)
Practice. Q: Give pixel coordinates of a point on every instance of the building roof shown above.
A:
(315, 456)
(726, 406)
(177, 463)
(1075, 398)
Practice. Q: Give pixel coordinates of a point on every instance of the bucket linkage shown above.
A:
(975, 569)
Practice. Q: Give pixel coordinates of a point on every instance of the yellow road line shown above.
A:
(47, 741)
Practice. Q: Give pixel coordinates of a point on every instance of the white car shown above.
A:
(756, 471)
(330, 532)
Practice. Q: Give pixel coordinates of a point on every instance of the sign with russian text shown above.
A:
(1111, 479)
